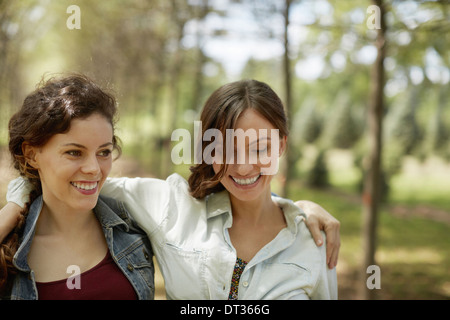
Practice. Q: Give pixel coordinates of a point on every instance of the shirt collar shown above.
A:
(20, 257)
(292, 213)
(219, 203)
(110, 213)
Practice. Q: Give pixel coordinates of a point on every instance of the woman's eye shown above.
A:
(74, 153)
(258, 151)
(105, 153)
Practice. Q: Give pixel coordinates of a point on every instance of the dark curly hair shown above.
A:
(45, 112)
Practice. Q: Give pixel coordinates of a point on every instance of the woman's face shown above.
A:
(248, 177)
(74, 165)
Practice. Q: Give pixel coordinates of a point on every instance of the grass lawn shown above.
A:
(413, 230)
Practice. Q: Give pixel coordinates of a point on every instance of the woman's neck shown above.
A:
(59, 220)
(253, 211)
(255, 224)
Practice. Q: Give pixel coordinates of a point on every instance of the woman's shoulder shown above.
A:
(179, 189)
(303, 244)
(112, 213)
(292, 212)
(176, 180)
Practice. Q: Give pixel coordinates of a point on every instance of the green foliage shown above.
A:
(402, 128)
(153, 53)
(342, 130)
(307, 124)
(437, 136)
(317, 176)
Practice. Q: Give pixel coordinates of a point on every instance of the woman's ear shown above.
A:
(29, 152)
(283, 145)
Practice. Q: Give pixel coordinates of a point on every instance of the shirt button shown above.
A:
(130, 267)
(245, 284)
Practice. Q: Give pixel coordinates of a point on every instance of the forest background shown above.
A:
(162, 59)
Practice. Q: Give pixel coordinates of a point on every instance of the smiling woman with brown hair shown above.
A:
(276, 257)
(62, 141)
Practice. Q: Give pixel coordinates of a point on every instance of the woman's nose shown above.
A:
(244, 169)
(91, 165)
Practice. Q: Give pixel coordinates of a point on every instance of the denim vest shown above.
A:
(127, 243)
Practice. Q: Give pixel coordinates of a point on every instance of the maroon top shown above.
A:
(105, 281)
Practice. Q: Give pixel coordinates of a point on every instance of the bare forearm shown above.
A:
(8, 218)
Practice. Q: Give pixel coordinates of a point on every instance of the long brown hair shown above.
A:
(45, 112)
(221, 111)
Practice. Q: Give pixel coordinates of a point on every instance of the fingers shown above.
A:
(331, 229)
(319, 219)
(333, 243)
(313, 225)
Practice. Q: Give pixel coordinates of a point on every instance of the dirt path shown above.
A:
(422, 211)
(399, 210)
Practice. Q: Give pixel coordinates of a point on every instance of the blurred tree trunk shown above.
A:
(372, 183)
(200, 12)
(179, 15)
(289, 161)
(11, 39)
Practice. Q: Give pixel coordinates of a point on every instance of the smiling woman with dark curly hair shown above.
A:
(62, 141)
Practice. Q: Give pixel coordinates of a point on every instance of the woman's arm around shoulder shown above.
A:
(8, 218)
(319, 219)
(145, 198)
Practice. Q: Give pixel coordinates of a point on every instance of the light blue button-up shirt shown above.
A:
(192, 246)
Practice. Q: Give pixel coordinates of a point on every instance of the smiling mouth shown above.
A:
(246, 182)
(87, 186)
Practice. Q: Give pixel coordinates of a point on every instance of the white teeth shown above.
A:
(246, 181)
(85, 186)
